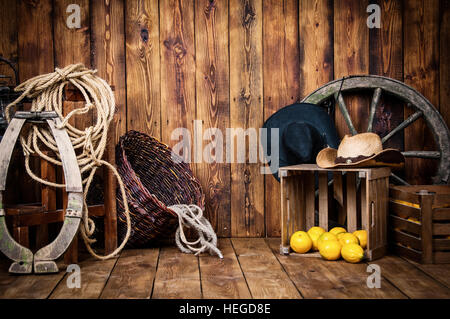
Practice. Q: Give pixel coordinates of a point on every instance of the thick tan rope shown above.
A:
(46, 92)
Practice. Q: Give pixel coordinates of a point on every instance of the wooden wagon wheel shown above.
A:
(422, 107)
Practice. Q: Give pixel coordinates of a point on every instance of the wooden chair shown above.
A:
(20, 217)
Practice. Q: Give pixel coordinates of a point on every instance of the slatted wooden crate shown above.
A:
(365, 208)
(427, 238)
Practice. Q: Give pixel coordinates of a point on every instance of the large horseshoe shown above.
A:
(44, 257)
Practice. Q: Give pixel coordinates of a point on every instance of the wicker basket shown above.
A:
(152, 181)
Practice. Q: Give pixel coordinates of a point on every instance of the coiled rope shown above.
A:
(46, 92)
(192, 216)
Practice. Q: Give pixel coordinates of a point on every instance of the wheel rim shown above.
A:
(387, 86)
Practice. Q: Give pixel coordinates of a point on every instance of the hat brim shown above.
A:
(388, 157)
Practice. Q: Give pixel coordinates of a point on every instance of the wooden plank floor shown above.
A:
(251, 268)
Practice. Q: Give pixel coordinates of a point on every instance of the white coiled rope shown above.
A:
(191, 216)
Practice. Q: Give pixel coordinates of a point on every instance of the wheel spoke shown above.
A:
(373, 107)
(345, 113)
(403, 125)
(422, 154)
(400, 180)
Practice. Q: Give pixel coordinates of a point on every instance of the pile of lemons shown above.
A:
(331, 245)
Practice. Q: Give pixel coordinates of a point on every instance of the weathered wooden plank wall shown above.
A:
(233, 63)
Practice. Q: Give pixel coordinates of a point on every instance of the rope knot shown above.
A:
(61, 74)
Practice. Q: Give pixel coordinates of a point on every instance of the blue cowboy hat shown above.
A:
(304, 130)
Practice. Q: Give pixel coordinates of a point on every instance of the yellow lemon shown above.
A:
(339, 236)
(300, 242)
(314, 233)
(352, 253)
(325, 237)
(338, 230)
(414, 220)
(362, 237)
(330, 250)
(348, 238)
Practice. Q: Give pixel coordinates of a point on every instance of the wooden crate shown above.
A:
(364, 209)
(426, 240)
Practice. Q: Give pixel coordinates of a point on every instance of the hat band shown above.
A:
(350, 160)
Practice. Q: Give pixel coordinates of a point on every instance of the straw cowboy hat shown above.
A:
(304, 130)
(361, 150)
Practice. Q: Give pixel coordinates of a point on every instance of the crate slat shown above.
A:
(323, 200)
(441, 229)
(442, 257)
(310, 200)
(441, 244)
(403, 211)
(407, 252)
(406, 239)
(441, 214)
(351, 202)
(405, 225)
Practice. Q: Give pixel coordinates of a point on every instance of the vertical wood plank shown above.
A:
(72, 46)
(8, 37)
(444, 61)
(323, 200)
(35, 57)
(108, 54)
(351, 201)
(281, 81)
(213, 107)
(143, 67)
(351, 56)
(386, 59)
(421, 71)
(246, 111)
(310, 198)
(35, 38)
(426, 212)
(316, 44)
(284, 214)
(177, 49)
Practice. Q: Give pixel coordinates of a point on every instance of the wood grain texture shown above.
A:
(351, 56)
(281, 82)
(26, 286)
(264, 274)
(315, 277)
(178, 275)
(246, 112)
(386, 59)
(8, 36)
(316, 44)
(94, 275)
(143, 67)
(421, 71)
(223, 278)
(444, 61)
(108, 53)
(411, 280)
(133, 275)
(177, 49)
(213, 108)
(71, 45)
